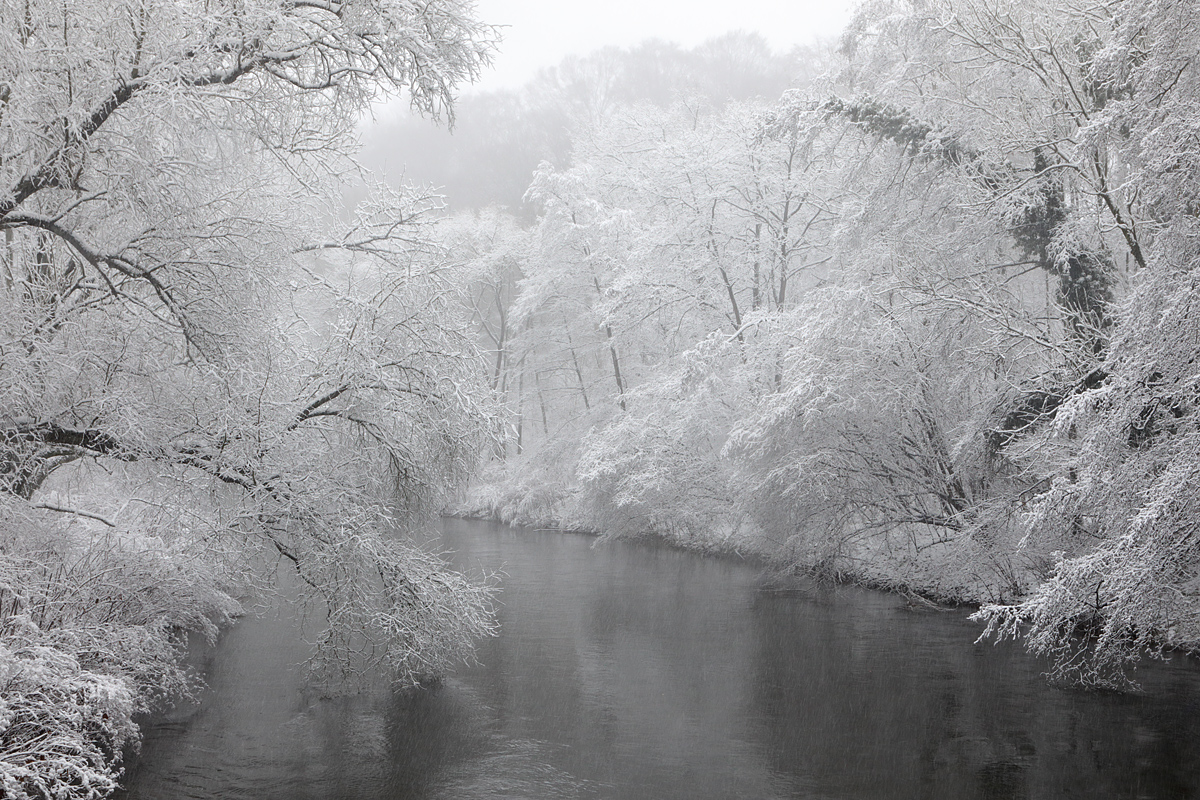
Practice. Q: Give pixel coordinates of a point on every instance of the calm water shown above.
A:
(627, 671)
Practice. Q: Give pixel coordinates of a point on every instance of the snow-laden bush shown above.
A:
(93, 623)
(62, 727)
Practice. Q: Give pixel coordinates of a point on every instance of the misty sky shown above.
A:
(542, 32)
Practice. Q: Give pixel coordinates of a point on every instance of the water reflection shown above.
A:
(637, 672)
(871, 700)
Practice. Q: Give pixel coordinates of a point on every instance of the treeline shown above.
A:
(926, 319)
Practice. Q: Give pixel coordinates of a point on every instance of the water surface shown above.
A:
(632, 671)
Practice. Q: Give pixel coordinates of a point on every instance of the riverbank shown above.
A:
(739, 541)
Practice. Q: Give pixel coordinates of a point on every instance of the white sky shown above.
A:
(542, 32)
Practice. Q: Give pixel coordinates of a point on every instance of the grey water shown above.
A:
(631, 671)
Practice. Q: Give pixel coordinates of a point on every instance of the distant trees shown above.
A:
(205, 372)
(501, 137)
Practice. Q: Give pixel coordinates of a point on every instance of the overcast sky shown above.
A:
(542, 32)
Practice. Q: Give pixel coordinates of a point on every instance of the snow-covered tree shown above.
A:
(1121, 460)
(203, 364)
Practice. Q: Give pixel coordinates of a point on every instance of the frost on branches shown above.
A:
(205, 374)
(1123, 459)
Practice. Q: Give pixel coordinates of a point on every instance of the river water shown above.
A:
(632, 671)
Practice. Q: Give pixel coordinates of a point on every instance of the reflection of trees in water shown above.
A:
(868, 700)
(431, 734)
(632, 660)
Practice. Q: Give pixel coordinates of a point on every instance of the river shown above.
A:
(632, 671)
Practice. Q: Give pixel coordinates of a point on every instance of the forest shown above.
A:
(918, 309)
(924, 320)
